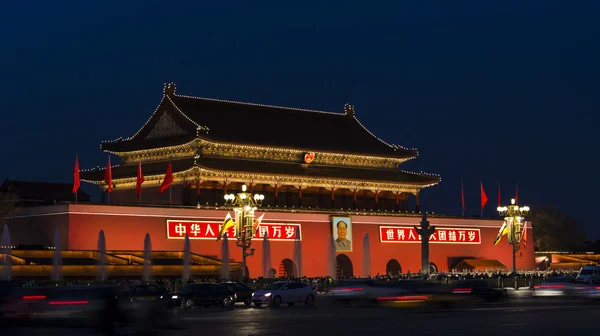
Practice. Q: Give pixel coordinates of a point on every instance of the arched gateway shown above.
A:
(393, 267)
(288, 268)
(344, 267)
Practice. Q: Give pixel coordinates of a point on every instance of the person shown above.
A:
(342, 243)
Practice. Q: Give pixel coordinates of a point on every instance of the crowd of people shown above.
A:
(499, 278)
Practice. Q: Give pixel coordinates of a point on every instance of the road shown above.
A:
(524, 317)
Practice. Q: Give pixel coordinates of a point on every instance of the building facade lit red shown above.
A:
(125, 227)
(323, 175)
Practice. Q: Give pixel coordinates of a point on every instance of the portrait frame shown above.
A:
(342, 245)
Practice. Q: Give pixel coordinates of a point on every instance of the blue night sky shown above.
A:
(490, 93)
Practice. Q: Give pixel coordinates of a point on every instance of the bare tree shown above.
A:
(554, 230)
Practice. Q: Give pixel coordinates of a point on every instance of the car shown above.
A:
(589, 273)
(141, 293)
(205, 294)
(243, 293)
(87, 305)
(559, 286)
(406, 293)
(290, 292)
(138, 303)
(479, 289)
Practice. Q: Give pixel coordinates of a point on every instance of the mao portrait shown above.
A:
(342, 233)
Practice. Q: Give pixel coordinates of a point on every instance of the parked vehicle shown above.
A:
(242, 292)
(290, 292)
(205, 294)
(589, 273)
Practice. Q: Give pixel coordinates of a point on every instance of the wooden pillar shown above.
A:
(198, 187)
(318, 197)
(224, 191)
(300, 196)
(396, 207)
(332, 197)
(417, 207)
(276, 194)
(354, 198)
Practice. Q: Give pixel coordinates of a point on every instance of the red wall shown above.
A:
(126, 227)
(38, 226)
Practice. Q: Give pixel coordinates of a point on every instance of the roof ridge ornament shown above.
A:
(169, 89)
(349, 110)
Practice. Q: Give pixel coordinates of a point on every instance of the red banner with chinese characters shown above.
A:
(177, 229)
(402, 234)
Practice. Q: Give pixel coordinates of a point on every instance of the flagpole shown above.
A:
(480, 198)
(78, 179)
(499, 195)
(462, 197)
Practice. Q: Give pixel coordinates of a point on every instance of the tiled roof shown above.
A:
(43, 191)
(268, 167)
(151, 168)
(261, 125)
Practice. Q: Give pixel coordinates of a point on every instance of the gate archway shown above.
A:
(393, 268)
(344, 267)
(288, 269)
(433, 268)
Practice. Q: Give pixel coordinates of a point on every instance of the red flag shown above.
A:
(462, 197)
(76, 179)
(499, 198)
(168, 179)
(484, 198)
(139, 181)
(517, 195)
(108, 176)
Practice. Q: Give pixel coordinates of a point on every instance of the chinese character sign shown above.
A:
(177, 229)
(400, 234)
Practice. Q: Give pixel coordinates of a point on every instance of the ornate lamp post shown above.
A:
(514, 216)
(244, 206)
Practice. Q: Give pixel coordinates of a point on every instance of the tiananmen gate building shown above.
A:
(322, 174)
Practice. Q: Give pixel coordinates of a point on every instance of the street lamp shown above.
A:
(244, 206)
(514, 216)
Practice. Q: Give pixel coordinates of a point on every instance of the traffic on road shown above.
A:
(145, 307)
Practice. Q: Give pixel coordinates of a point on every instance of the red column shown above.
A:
(332, 197)
(418, 207)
